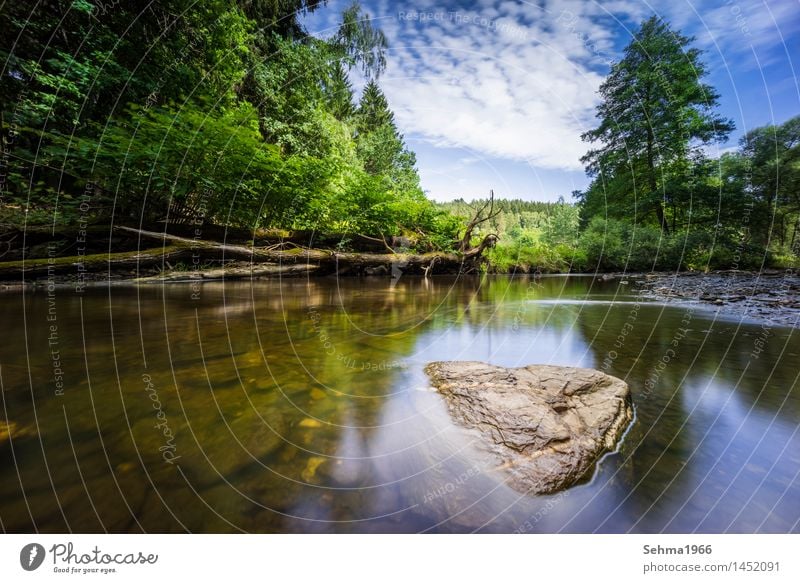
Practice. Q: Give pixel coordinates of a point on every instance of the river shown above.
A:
(302, 406)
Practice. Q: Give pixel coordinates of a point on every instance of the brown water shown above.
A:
(301, 406)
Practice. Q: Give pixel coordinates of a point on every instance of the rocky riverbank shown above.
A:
(772, 297)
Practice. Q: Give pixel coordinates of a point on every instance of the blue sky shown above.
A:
(495, 94)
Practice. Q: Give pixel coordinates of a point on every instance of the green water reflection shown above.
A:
(301, 406)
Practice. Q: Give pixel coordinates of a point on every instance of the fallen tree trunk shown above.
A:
(339, 263)
(180, 257)
(98, 263)
(252, 271)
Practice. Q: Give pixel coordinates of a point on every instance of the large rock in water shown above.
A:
(547, 425)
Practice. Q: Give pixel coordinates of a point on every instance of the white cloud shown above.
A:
(517, 79)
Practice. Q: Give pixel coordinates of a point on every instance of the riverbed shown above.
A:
(301, 405)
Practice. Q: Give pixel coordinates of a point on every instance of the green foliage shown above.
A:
(361, 43)
(369, 204)
(280, 16)
(289, 94)
(338, 92)
(768, 169)
(70, 85)
(532, 235)
(603, 244)
(655, 115)
(373, 110)
(379, 150)
(147, 164)
(656, 202)
(380, 146)
(518, 256)
(529, 221)
(230, 111)
(221, 110)
(612, 245)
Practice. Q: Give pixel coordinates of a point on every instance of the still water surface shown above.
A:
(302, 406)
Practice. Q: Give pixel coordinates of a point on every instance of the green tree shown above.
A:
(360, 43)
(380, 145)
(227, 109)
(338, 92)
(561, 228)
(69, 67)
(148, 162)
(373, 109)
(280, 16)
(770, 166)
(288, 90)
(655, 114)
(295, 79)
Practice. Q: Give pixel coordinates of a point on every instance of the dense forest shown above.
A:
(230, 113)
(657, 200)
(223, 110)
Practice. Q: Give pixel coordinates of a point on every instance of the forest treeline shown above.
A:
(224, 111)
(657, 199)
(228, 112)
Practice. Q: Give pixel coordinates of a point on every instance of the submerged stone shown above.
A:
(10, 430)
(310, 471)
(547, 426)
(318, 394)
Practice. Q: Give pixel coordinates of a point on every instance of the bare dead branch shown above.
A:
(381, 240)
(478, 219)
(429, 269)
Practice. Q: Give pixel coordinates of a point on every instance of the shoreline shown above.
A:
(769, 296)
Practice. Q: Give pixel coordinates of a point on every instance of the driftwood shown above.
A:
(102, 263)
(429, 269)
(337, 260)
(174, 258)
(253, 271)
(465, 245)
(169, 258)
(382, 241)
(487, 242)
